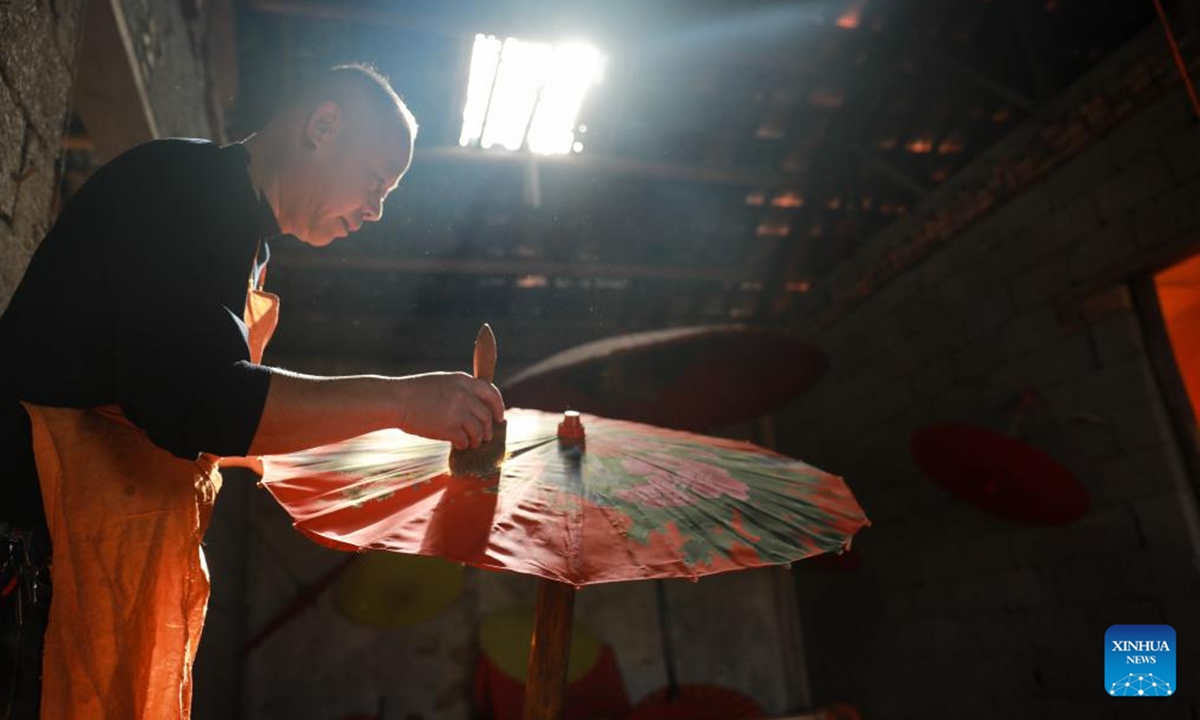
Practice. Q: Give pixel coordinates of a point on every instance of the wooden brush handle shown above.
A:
(485, 354)
(484, 460)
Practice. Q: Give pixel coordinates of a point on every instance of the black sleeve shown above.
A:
(180, 250)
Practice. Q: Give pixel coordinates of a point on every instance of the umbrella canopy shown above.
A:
(652, 377)
(631, 502)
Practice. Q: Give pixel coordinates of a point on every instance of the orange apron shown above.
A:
(130, 582)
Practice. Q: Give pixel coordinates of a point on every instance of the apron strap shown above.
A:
(258, 273)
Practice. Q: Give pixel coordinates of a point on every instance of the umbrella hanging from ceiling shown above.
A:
(691, 378)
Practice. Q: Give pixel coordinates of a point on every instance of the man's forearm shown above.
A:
(304, 411)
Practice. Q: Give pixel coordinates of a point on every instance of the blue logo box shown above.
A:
(1139, 661)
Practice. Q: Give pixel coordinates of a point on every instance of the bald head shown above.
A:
(369, 107)
(341, 144)
(364, 96)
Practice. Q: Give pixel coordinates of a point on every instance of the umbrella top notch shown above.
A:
(570, 430)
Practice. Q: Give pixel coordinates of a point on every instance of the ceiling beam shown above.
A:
(999, 89)
(512, 268)
(608, 164)
(880, 165)
(638, 32)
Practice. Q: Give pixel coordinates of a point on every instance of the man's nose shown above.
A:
(373, 210)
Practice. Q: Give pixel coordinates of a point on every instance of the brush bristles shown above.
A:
(484, 460)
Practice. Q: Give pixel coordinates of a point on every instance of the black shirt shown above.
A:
(135, 298)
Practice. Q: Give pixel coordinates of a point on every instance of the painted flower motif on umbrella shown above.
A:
(662, 488)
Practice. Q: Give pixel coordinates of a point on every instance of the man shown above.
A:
(130, 360)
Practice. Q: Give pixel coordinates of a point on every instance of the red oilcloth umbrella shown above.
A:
(637, 502)
(573, 503)
(999, 474)
(630, 502)
(693, 378)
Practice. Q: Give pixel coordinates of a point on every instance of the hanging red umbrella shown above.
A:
(652, 377)
(696, 702)
(999, 474)
(582, 501)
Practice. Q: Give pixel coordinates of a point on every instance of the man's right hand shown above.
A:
(449, 406)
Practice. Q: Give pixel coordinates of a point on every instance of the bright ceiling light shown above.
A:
(484, 59)
(524, 93)
(514, 93)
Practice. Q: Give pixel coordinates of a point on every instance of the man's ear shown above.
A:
(323, 124)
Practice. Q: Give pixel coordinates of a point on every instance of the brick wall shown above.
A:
(953, 612)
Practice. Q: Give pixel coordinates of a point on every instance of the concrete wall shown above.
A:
(40, 41)
(37, 55)
(958, 613)
(170, 49)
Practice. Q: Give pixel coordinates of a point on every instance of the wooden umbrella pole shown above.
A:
(546, 684)
(550, 649)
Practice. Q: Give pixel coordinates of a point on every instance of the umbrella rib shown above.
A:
(610, 510)
(811, 526)
(374, 485)
(575, 543)
(533, 446)
(623, 534)
(801, 504)
(839, 530)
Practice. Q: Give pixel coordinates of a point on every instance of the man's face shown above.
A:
(351, 169)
